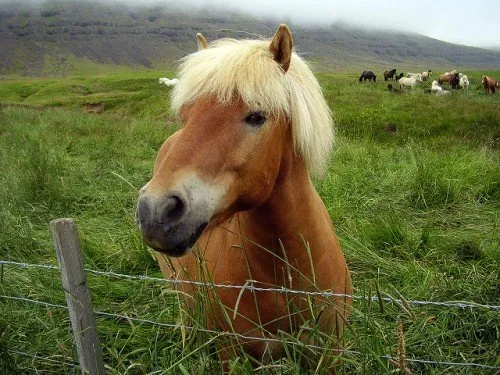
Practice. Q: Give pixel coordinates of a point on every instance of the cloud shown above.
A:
(470, 23)
(473, 23)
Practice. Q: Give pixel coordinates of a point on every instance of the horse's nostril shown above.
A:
(143, 211)
(174, 209)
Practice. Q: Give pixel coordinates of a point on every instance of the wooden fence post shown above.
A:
(74, 282)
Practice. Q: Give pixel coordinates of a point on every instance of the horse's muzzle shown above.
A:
(167, 223)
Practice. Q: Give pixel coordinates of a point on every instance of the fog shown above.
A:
(472, 23)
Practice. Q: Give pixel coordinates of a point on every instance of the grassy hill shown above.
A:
(415, 205)
(63, 37)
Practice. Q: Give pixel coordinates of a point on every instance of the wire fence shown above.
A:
(250, 287)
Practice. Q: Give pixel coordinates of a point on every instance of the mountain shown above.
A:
(53, 36)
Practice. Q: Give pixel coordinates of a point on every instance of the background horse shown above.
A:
(399, 76)
(411, 82)
(435, 86)
(445, 77)
(167, 81)
(389, 74)
(368, 75)
(231, 199)
(489, 84)
(464, 82)
(426, 75)
(454, 80)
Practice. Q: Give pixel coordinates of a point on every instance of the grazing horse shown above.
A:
(426, 75)
(438, 90)
(412, 82)
(445, 77)
(368, 75)
(489, 84)
(399, 76)
(231, 201)
(435, 86)
(168, 82)
(389, 74)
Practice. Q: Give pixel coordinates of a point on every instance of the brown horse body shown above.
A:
(490, 84)
(389, 74)
(445, 77)
(232, 183)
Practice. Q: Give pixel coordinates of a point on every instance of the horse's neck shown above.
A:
(292, 225)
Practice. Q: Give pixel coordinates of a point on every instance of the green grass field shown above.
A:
(413, 189)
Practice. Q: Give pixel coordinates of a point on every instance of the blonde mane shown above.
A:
(231, 68)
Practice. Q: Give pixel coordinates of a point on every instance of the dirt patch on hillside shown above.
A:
(93, 107)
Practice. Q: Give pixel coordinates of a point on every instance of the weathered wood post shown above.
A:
(74, 282)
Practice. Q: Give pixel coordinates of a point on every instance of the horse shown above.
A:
(389, 74)
(168, 82)
(489, 84)
(412, 82)
(231, 201)
(445, 77)
(435, 86)
(436, 89)
(368, 75)
(426, 75)
(464, 82)
(454, 80)
(399, 76)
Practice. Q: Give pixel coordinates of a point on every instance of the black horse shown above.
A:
(368, 75)
(389, 74)
(400, 75)
(454, 81)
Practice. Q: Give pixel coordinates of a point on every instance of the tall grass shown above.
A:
(416, 211)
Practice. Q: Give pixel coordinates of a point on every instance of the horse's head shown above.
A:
(242, 105)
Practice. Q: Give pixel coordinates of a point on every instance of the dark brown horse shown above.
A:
(445, 77)
(454, 80)
(389, 74)
(368, 75)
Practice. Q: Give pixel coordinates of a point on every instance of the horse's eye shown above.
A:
(256, 119)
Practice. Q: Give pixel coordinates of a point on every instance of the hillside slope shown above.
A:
(50, 36)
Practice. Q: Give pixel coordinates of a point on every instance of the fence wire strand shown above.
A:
(252, 288)
(234, 334)
(50, 360)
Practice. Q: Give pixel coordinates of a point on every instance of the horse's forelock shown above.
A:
(246, 69)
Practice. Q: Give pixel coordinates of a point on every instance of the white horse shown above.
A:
(435, 86)
(412, 82)
(168, 82)
(464, 82)
(426, 75)
(438, 89)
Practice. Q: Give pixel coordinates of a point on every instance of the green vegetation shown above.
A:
(413, 190)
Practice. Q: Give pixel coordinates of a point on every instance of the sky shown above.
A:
(473, 23)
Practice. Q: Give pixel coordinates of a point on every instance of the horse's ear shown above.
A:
(281, 47)
(202, 42)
